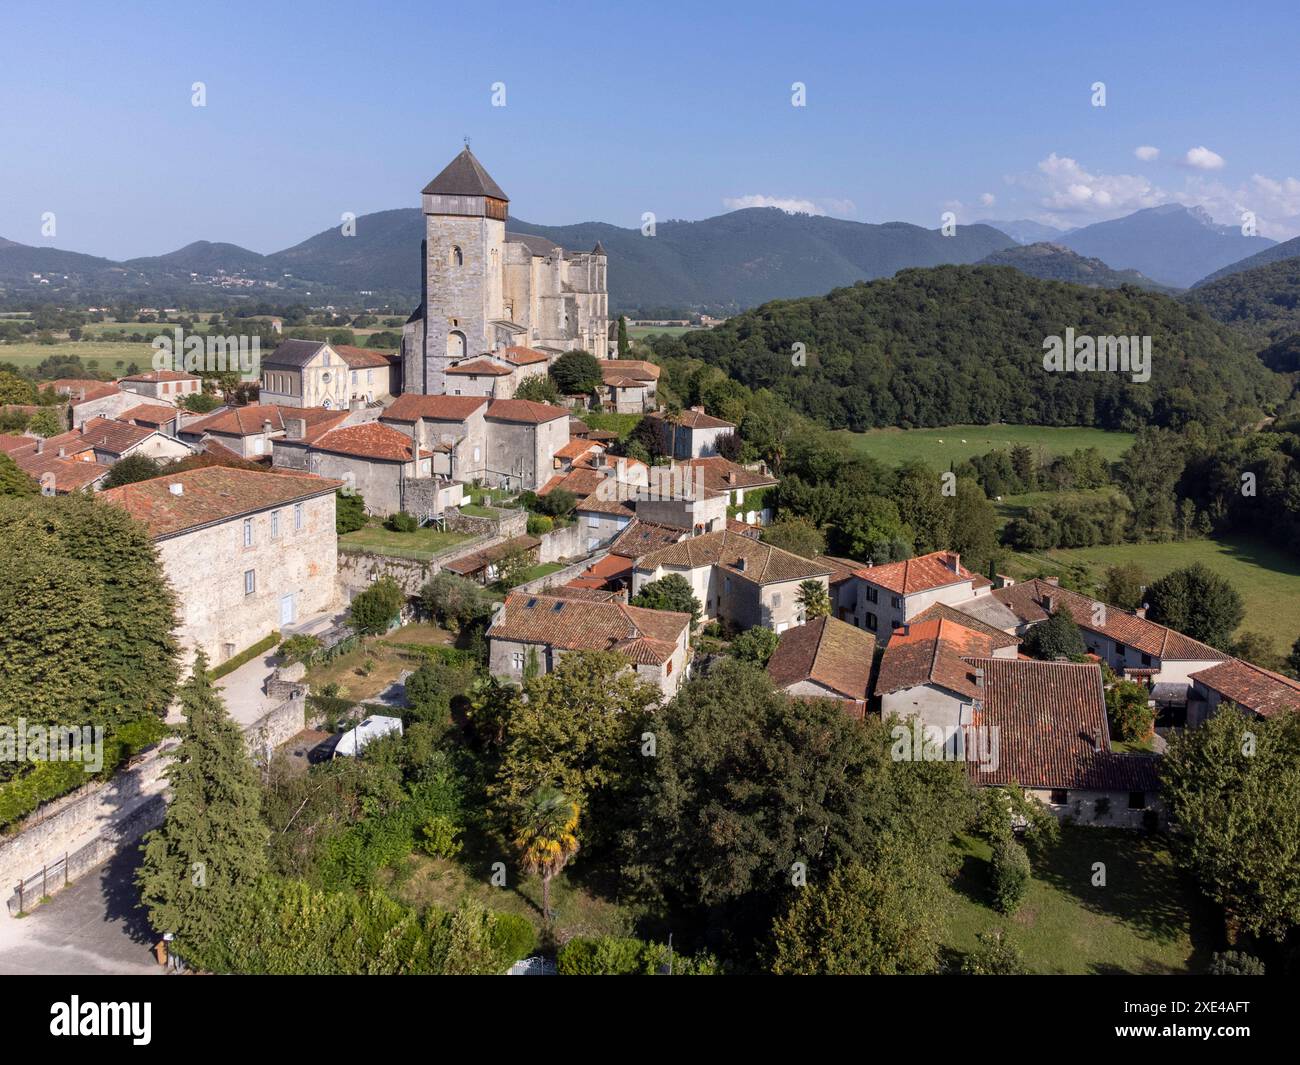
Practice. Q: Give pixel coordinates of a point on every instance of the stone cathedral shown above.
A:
(485, 289)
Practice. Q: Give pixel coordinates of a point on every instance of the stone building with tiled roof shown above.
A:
(535, 631)
(825, 658)
(251, 430)
(248, 553)
(737, 579)
(691, 434)
(1254, 689)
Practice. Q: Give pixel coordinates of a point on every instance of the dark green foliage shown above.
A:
(1010, 874)
(798, 535)
(556, 503)
(349, 512)
(1057, 637)
(1235, 963)
(540, 388)
(754, 645)
(614, 956)
(1069, 523)
(373, 611)
(672, 592)
(200, 403)
(1264, 301)
(402, 522)
(14, 481)
(576, 372)
(131, 469)
(1131, 719)
(1198, 603)
(996, 955)
(455, 602)
(246, 655)
(1125, 586)
(209, 853)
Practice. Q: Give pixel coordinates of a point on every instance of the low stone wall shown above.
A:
(508, 523)
(558, 544)
(357, 570)
(93, 823)
(561, 576)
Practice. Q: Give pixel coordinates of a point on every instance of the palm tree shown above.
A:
(546, 837)
(814, 599)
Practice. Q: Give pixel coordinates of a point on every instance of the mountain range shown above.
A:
(721, 265)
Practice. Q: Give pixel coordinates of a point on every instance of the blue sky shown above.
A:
(612, 110)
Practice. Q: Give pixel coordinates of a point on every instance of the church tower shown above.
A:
(465, 229)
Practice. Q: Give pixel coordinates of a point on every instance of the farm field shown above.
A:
(1145, 919)
(940, 448)
(640, 332)
(1267, 578)
(1009, 507)
(107, 352)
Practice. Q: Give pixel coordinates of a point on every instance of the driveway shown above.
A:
(92, 927)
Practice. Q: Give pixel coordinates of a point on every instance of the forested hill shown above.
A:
(1265, 300)
(964, 345)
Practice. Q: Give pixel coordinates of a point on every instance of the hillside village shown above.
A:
(274, 521)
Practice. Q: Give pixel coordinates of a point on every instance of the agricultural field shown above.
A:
(640, 332)
(941, 448)
(107, 352)
(1267, 578)
(1145, 919)
(1009, 507)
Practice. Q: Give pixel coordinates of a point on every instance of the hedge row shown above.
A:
(246, 655)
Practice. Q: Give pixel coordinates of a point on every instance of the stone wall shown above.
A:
(359, 569)
(508, 523)
(91, 824)
(559, 544)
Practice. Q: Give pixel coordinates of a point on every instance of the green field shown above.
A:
(1267, 578)
(1145, 919)
(640, 332)
(940, 448)
(609, 421)
(423, 543)
(107, 352)
(1009, 507)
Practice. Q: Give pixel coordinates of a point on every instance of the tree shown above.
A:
(797, 535)
(1124, 585)
(210, 851)
(455, 602)
(868, 919)
(1197, 602)
(1057, 637)
(13, 389)
(1234, 808)
(1131, 718)
(540, 388)
(45, 422)
(1293, 659)
(974, 532)
(14, 481)
(996, 955)
(671, 592)
(754, 645)
(624, 345)
(576, 372)
(132, 469)
(556, 503)
(1258, 649)
(1010, 874)
(513, 567)
(923, 506)
(547, 837)
(200, 403)
(1235, 963)
(813, 599)
(349, 512)
(374, 610)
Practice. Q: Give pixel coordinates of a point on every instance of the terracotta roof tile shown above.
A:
(150, 414)
(479, 560)
(106, 434)
(723, 475)
(825, 651)
(480, 367)
(1259, 690)
(920, 574)
(369, 441)
(755, 561)
(932, 653)
(362, 358)
(521, 356)
(524, 410)
(644, 635)
(410, 406)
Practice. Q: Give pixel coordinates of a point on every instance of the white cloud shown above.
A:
(789, 204)
(987, 199)
(1063, 185)
(1147, 153)
(1203, 159)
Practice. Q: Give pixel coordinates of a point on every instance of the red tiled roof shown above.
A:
(162, 375)
(410, 406)
(106, 434)
(723, 475)
(634, 369)
(825, 651)
(362, 358)
(523, 356)
(645, 636)
(248, 420)
(932, 652)
(694, 419)
(1259, 690)
(150, 414)
(212, 494)
(72, 386)
(524, 410)
(575, 449)
(369, 441)
(951, 613)
(70, 475)
(12, 442)
(755, 561)
(479, 560)
(642, 537)
(920, 574)
(480, 367)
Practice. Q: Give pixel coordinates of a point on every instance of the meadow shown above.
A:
(954, 444)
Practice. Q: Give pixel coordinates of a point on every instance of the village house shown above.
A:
(250, 431)
(312, 373)
(629, 386)
(1250, 688)
(248, 553)
(88, 398)
(692, 434)
(734, 482)
(482, 566)
(531, 633)
(496, 376)
(825, 659)
(108, 440)
(167, 386)
(53, 469)
(737, 579)
(161, 417)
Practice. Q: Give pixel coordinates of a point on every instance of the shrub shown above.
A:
(1011, 874)
(299, 648)
(539, 524)
(246, 655)
(513, 937)
(994, 956)
(349, 512)
(616, 956)
(1235, 963)
(438, 837)
(754, 645)
(402, 522)
(555, 503)
(455, 601)
(1127, 707)
(375, 609)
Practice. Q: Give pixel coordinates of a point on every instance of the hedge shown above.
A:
(244, 656)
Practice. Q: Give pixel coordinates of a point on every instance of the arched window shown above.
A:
(456, 344)
(457, 259)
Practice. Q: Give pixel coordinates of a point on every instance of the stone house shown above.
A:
(248, 553)
(692, 434)
(91, 399)
(108, 440)
(536, 631)
(166, 386)
(481, 565)
(162, 417)
(629, 386)
(736, 578)
(54, 469)
(825, 659)
(883, 598)
(250, 431)
(1251, 688)
(496, 376)
(311, 373)
(455, 431)
(523, 438)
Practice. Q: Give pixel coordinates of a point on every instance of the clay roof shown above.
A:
(719, 473)
(1259, 690)
(755, 561)
(150, 414)
(70, 475)
(523, 356)
(694, 419)
(645, 636)
(639, 369)
(381, 443)
(293, 352)
(920, 574)
(524, 410)
(12, 442)
(211, 495)
(109, 435)
(1048, 716)
(828, 652)
(162, 375)
(932, 653)
(72, 386)
(362, 358)
(576, 448)
(997, 636)
(464, 176)
(478, 560)
(480, 367)
(248, 420)
(1028, 600)
(611, 569)
(642, 537)
(409, 407)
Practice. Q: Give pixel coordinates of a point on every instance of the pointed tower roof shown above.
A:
(464, 176)
(599, 249)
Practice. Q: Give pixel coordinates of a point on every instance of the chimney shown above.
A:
(1094, 738)
(731, 477)
(979, 677)
(63, 452)
(740, 563)
(1049, 603)
(954, 560)
(266, 427)
(1141, 611)
(1054, 581)
(621, 466)
(40, 445)
(698, 409)
(83, 396)
(176, 488)
(294, 428)
(421, 444)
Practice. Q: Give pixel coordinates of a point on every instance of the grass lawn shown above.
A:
(476, 511)
(1145, 919)
(940, 448)
(423, 543)
(543, 570)
(345, 671)
(1267, 578)
(640, 332)
(422, 633)
(106, 352)
(1017, 506)
(609, 421)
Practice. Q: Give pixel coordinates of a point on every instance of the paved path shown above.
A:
(92, 927)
